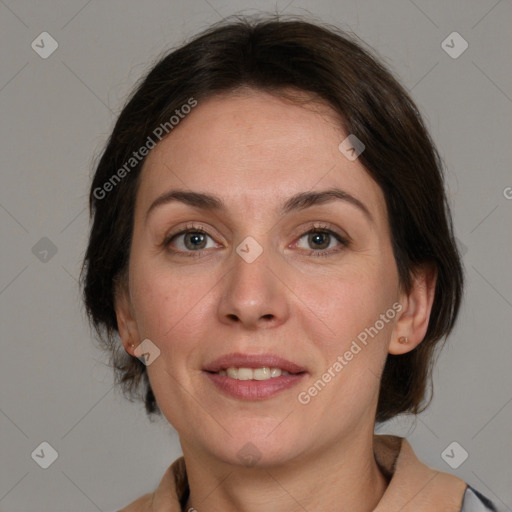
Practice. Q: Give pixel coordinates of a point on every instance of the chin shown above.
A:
(257, 448)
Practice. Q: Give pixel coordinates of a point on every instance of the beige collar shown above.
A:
(413, 487)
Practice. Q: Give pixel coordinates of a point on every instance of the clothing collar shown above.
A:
(413, 486)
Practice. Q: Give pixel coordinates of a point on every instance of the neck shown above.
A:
(343, 478)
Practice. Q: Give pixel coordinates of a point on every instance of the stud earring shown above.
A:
(403, 339)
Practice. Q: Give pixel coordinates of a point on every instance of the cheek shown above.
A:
(170, 312)
(353, 299)
(356, 309)
(171, 308)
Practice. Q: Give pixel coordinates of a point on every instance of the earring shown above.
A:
(403, 339)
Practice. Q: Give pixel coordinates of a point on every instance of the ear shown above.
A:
(412, 322)
(126, 324)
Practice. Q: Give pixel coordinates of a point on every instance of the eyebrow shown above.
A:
(298, 202)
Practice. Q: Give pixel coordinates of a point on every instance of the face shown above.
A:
(255, 279)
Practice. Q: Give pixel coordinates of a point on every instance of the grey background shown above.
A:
(56, 114)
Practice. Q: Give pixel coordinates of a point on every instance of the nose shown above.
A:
(253, 294)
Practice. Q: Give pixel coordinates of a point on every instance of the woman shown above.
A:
(272, 244)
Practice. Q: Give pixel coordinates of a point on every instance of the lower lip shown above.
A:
(254, 389)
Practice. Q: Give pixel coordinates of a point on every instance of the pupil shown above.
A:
(194, 240)
(317, 238)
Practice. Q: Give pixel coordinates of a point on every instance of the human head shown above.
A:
(280, 57)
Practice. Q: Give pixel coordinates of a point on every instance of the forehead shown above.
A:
(253, 149)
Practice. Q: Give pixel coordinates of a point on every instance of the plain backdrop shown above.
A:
(56, 114)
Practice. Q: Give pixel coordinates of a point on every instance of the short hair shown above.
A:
(276, 55)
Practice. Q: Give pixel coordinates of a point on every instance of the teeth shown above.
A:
(233, 373)
(244, 374)
(275, 372)
(263, 373)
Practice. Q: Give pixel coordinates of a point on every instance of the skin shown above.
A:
(254, 150)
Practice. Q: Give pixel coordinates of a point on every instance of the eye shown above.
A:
(192, 239)
(321, 238)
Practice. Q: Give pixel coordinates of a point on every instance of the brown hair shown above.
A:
(275, 55)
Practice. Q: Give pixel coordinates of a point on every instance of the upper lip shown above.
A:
(238, 360)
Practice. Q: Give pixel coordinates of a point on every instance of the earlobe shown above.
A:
(412, 323)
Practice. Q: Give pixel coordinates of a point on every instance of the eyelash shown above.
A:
(317, 228)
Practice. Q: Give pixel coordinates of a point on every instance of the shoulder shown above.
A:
(414, 487)
(474, 501)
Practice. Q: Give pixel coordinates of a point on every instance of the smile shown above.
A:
(253, 376)
(263, 373)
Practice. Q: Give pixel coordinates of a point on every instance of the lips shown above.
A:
(238, 360)
(286, 375)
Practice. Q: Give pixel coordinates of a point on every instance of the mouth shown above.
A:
(253, 377)
(263, 373)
